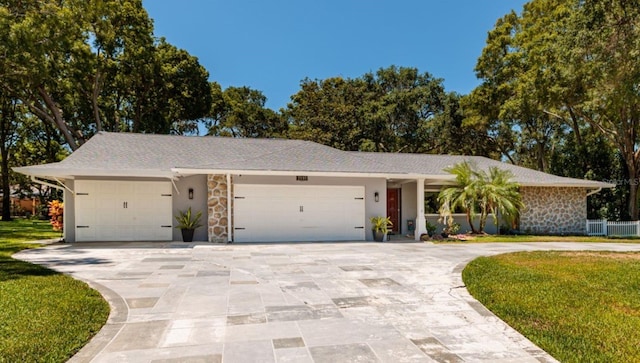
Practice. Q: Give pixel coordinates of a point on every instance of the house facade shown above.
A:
(129, 187)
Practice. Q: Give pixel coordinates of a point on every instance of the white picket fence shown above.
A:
(602, 227)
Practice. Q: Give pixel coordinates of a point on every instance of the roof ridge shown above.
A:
(200, 137)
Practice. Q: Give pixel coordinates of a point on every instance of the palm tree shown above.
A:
(463, 194)
(498, 195)
(491, 192)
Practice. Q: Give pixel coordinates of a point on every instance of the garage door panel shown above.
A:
(123, 211)
(272, 213)
(85, 234)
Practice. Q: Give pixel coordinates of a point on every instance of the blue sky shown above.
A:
(272, 45)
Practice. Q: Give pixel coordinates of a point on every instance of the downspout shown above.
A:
(229, 212)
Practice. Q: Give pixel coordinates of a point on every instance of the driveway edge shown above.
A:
(115, 322)
(514, 335)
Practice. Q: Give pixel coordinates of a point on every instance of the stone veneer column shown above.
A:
(217, 205)
(551, 210)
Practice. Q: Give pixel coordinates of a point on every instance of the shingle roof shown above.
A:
(110, 153)
(435, 165)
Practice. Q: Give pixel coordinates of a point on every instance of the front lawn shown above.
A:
(577, 306)
(44, 316)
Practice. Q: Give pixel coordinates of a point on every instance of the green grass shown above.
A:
(577, 306)
(533, 238)
(44, 316)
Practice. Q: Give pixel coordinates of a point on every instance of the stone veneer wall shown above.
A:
(217, 205)
(549, 210)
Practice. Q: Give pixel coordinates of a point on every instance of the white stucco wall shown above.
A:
(371, 185)
(409, 206)
(69, 212)
(181, 202)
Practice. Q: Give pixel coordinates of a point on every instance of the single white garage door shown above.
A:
(123, 211)
(284, 213)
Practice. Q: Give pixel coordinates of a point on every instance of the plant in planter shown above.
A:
(187, 223)
(379, 226)
(431, 229)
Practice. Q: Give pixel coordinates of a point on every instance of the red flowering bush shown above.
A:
(56, 212)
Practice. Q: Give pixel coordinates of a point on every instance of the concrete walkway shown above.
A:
(322, 302)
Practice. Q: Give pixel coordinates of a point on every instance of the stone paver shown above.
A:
(311, 302)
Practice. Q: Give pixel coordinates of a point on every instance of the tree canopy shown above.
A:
(395, 109)
(560, 70)
(87, 66)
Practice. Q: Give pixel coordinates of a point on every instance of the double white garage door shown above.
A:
(142, 211)
(123, 211)
(273, 213)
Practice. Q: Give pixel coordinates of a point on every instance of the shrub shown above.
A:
(56, 212)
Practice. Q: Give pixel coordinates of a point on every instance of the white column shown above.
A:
(421, 226)
(66, 196)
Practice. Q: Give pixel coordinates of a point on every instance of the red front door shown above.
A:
(393, 208)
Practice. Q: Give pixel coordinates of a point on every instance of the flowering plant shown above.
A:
(56, 212)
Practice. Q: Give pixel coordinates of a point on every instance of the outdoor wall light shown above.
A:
(376, 197)
(190, 193)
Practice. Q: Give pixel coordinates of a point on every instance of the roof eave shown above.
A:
(192, 171)
(589, 185)
(70, 173)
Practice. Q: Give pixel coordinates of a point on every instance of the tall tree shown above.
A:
(9, 122)
(330, 112)
(404, 102)
(557, 66)
(604, 42)
(515, 93)
(87, 66)
(594, 158)
(241, 112)
(37, 143)
(452, 132)
(393, 110)
(39, 39)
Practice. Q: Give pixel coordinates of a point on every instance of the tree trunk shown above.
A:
(540, 156)
(483, 221)
(473, 229)
(58, 119)
(633, 170)
(6, 130)
(575, 125)
(4, 172)
(633, 201)
(6, 187)
(94, 101)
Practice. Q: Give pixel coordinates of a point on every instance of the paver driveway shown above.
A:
(322, 302)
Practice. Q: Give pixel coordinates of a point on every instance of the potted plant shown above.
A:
(431, 229)
(187, 223)
(379, 226)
